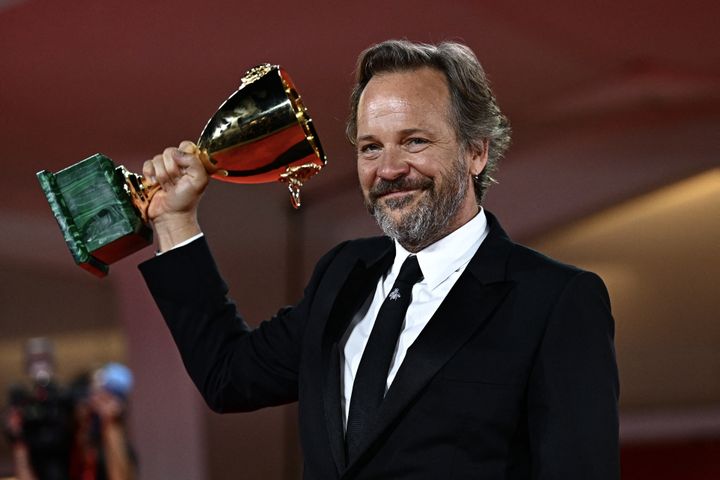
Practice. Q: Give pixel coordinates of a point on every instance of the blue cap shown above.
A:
(117, 379)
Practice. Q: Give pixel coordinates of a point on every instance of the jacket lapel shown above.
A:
(355, 288)
(468, 306)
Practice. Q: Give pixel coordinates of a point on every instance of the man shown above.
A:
(442, 350)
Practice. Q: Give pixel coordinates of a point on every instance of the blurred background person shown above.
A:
(76, 432)
(39, 422)
(101, 449)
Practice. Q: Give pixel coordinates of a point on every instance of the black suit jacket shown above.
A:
(514, 376)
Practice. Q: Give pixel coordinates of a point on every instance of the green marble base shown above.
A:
(95, 214)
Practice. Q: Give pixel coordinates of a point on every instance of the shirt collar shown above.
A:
(452, 252)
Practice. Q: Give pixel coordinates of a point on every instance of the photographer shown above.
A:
(74, 433)
(101, 450)
(39, 423)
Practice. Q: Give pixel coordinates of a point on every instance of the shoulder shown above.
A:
(534, 270)
(515, 261)
(524, 260)
(346, 254)
(367, 249)
(522, 264)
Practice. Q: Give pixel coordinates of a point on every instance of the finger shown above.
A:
(161, 174)
(188, 147)
(170, 157)
(188, 161)
(192, 166)
(148, 172)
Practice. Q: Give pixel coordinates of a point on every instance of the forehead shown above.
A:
(419, 97)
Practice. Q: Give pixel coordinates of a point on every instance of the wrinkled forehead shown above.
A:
(417, 95)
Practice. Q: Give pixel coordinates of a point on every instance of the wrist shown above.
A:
(173, 229)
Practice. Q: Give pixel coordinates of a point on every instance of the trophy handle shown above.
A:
(295, 177)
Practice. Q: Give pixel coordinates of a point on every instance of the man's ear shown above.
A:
(478, 159)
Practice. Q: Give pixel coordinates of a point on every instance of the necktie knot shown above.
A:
(410, 272)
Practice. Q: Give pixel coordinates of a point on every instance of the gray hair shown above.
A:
(474, 111)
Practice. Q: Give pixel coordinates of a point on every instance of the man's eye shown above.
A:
(369, 148)
(415, 144)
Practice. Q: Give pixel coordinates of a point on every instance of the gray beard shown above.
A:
(429, 221)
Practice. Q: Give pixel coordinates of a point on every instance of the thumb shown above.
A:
(187, 157)
(187, 146)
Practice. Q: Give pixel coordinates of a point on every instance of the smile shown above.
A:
(398, 194)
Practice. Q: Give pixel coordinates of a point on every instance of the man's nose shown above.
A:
(392, 165)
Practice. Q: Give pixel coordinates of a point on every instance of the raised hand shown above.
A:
(183, 179)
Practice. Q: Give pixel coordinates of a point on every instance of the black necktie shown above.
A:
(369, 385)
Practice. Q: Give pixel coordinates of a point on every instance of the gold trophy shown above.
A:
(262, 133)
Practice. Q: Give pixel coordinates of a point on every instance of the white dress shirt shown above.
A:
(442, 263)
(182, 244)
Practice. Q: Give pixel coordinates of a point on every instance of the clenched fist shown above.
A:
(183, 179)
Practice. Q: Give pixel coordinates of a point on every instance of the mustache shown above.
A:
(383, 187)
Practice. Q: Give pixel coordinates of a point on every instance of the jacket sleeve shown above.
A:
(234, 367)
(573, 391)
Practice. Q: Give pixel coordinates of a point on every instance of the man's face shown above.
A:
(415, 177)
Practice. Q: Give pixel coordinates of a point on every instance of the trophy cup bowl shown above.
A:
(262, 133)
